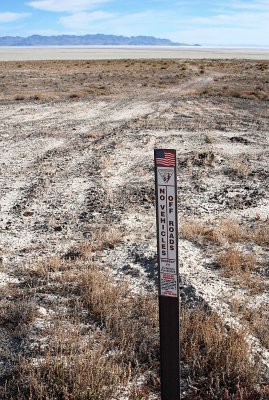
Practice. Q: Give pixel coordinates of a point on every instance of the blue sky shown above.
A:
(239, 22)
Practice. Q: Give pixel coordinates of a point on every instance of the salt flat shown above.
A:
(129, 52)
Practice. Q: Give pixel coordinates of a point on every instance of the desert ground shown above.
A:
(78, 271)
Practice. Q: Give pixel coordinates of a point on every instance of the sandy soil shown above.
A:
(72, 164)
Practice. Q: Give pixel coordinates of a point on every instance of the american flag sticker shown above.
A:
(165, 158)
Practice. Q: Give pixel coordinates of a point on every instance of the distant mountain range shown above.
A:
(86, 40)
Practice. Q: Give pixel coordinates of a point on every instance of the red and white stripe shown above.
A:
(169, 160)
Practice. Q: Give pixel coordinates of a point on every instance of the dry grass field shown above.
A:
(78, 301)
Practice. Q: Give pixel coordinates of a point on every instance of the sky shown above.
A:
(212, 23)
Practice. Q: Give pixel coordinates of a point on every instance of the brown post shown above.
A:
(167, 244)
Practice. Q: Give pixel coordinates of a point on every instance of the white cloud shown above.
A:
(239, 27)
(222, 36)
(258, 5)
(65, 5)
(233, 22)
(6, 17)
(143, 23)
(235, 29)
(81, 20)
(43, 32)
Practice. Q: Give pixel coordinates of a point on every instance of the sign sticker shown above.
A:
(169, 285)
(165, 164)
(166, 174)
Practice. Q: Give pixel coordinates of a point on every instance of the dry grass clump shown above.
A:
(232, 262)
(103, 237)
(219, 360)
(259, 323)
(239, 93)
(37, 96)
(240, 168)
(262, 95)
(231, 230)
(262, 66)
(127, 317)
(77, 95)
(72, 367)
(235, 262)
(256, 284)
(15, 316)
(96, 91)
(255, 318)
(19, 97)
(36, 273)
(260, 234)
(226, 230)
(195, 231)
(202, 158)
(106, 237)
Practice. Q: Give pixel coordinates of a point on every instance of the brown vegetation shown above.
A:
(221, 355)
(256, 318)
(80, 79)
(108, 337)
(235, 262)
(225, 231)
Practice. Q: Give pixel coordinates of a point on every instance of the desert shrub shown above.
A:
(235, 262)
(256, 319)
(19, 97)
(240, 168)
(72, 367)
(76, 95)
(219, 359)
(37, 96)
(260, 234)
(126, 316)
(225, 230)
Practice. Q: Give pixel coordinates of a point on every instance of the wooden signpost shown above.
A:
(167, 242)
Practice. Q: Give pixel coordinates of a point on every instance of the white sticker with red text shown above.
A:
(167, 231)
